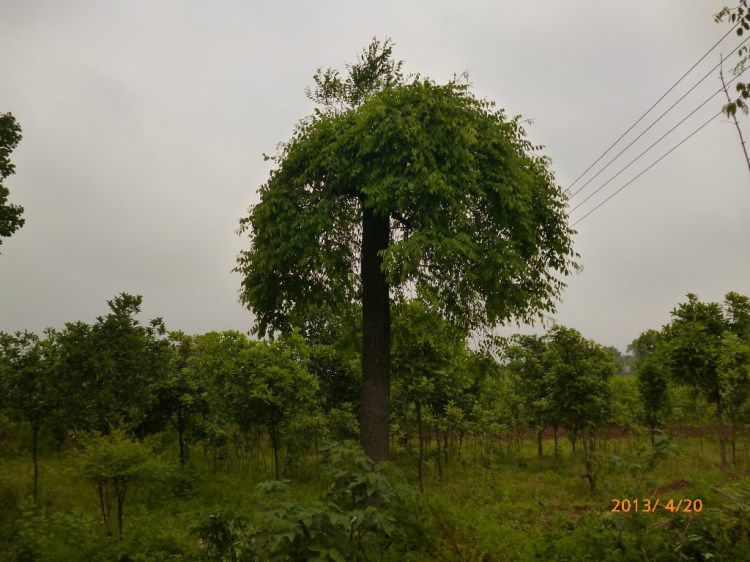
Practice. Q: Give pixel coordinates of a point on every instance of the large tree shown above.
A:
(10, 215)
(403, 186)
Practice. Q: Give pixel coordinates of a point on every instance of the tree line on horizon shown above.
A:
(230, 393)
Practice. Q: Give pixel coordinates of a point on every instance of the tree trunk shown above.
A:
(555, 434)
(587, 460)
(584, 440)
(720, 423)
(275, 443)
(439, 454)
(590, 475)
(734, 115)
(420, 460)
(376, 337)
(539, 436)
(104, 504)
(120, 503)
(181, 434)
(35, 440)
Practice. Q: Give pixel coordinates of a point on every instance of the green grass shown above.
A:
(510, 505)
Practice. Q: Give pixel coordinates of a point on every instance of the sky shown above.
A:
(145, 123)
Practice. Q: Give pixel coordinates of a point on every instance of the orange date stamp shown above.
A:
(647, 505)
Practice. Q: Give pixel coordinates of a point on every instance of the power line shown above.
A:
(647, 129)
(651, 166)
(652, 107)
(634, 160)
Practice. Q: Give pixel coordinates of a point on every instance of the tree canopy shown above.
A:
(706, 346)
(476, 223)
(10, 215)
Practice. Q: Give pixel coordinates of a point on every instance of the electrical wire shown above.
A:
(652, 107)
(634, 160)
(649, 167)
(592, 178)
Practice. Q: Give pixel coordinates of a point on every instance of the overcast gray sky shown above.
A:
(144, 124)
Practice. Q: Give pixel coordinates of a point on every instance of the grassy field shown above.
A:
(494, 501)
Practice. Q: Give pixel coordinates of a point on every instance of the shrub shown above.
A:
(362, 515)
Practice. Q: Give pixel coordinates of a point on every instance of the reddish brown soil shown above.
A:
(676, 485)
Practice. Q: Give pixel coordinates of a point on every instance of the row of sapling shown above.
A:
(563, 381)
(149, 379)
(559, 380)
(143, 379)
(118, 373)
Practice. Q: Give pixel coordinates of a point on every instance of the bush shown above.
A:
(43, 537)
(343, 422)
(361, 517)
(10, 512)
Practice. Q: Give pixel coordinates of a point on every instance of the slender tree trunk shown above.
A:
(584, 440)
(120, 503)
(59, 438)
(420, 460)
(720, 423)
(376, 337)
(734, 439)
(262, 453)
(439, 454)
(34, 443)
(275, 443)
(450, 443)
(104, 504)
(555, 434)
(181, 435)
(588, 460)
(539, 436)
(734, 115)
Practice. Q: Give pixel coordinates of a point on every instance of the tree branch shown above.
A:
(733, 113)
